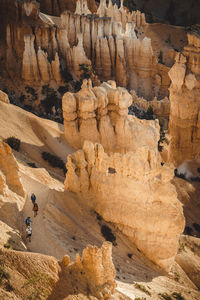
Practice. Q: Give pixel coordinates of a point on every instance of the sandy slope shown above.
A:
(36, 134)
(65, 225)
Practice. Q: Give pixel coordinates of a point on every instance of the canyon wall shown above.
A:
(100, 114)
(43, 49)
(117, 47)
(56, 7)
(185, 103)
(134, 192)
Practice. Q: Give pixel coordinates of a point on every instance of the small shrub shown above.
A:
(130, 255)
(31, 91)
(50, 100)
(139, 298)
(111, 170)
(54, 161)
(142, 288)
(188, 230)
(3, 275)
(178, 296)
(176, 276)
(32, 165)
(13, 142)
(8, 246)
(9, 287)
(165, 296)
(41, 283)
(87, 71)
(196, 226)
(98, 216)
(108, 235)
(160, 147)
(181, 246)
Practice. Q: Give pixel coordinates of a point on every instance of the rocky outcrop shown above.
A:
(93, 275)
(100, 114)
(11, 189)
(9, 171)
(185, 103)
(134, 192)
(99, 269)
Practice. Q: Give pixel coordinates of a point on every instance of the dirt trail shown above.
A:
(41, 239)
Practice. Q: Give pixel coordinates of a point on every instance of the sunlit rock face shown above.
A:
(40, 49)
(115, 43)
(94, 274)
(9, 171)
(4, 97)
(134, 192)
(185, 103)
(100, 114)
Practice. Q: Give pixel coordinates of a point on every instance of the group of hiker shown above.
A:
(28, 219)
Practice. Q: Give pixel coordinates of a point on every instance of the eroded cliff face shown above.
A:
(11, 190)
(9, 171)
(134, 192)
(185, 103)
(100, 114)
(40, 50)
(116, 44)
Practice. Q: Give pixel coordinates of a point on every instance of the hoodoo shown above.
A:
(99, 150)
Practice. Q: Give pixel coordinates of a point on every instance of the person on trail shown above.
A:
(35, 209)
(28, 221)
(29, 233)
(33, 198)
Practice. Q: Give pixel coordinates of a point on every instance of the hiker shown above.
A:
(28, 221)
(33, 198)
(35, 209)
(29, 233)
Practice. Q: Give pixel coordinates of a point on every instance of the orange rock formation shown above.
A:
(134, 192)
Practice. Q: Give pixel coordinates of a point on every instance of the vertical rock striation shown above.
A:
(134, 192)
(100, 114)
(185, 103)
